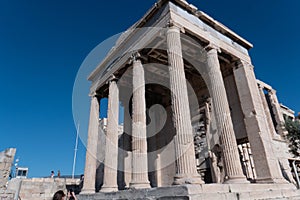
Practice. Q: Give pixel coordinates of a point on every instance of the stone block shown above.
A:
(243, 195)
(290, 193)
(215, 196)
(262, 195)
(213, 188)
(258, 187)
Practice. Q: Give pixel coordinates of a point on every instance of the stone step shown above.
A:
(208, 188)
(204, 192)
(259, 194)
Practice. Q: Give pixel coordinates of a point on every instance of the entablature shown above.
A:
(151, 26)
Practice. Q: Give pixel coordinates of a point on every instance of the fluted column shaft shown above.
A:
(91, 157)
(111, 147)
(233, 167)
(139, 177)
(186, 172)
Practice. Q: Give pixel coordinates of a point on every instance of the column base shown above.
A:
(187, 179)
(87, 191)
(271, 180)
(237, 180)
(139, 185)
(109, 188)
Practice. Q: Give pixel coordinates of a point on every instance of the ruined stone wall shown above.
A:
(6, 160)
(281, 150)
(6, 194)
(41, 188)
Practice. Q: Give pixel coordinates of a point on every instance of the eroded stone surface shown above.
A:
(210, 191)
(40, 188)
(6, 161)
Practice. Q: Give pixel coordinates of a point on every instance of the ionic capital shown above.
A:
(111, 79)
(241, 63)
(260, 86)
(93, 94)
(212, 47)
(135, 56)
(272, 92)
(173, 26)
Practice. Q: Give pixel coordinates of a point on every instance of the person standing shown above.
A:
(52, 174)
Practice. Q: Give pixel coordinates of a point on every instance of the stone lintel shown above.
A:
(207, 37)
(225, 35)
(264, 85)
(212, 23)
(99, 79)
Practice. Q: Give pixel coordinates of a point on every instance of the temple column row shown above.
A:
(186, 172)
(139, 176)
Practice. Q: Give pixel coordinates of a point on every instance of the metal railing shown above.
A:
(295, 164)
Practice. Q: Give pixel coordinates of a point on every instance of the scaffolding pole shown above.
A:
(75, 151)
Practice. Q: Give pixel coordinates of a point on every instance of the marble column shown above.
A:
(186, 172)
(233, 168)
(91, 151)
(111, 147)
(127, 145)
(139, 178)
(259, 136)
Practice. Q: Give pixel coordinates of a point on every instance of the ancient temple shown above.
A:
(195, 116)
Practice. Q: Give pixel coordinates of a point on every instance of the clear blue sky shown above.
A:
(43, 43)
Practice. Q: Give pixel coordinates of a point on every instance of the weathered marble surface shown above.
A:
(39, 188)
(6, 161)
(209, 191)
